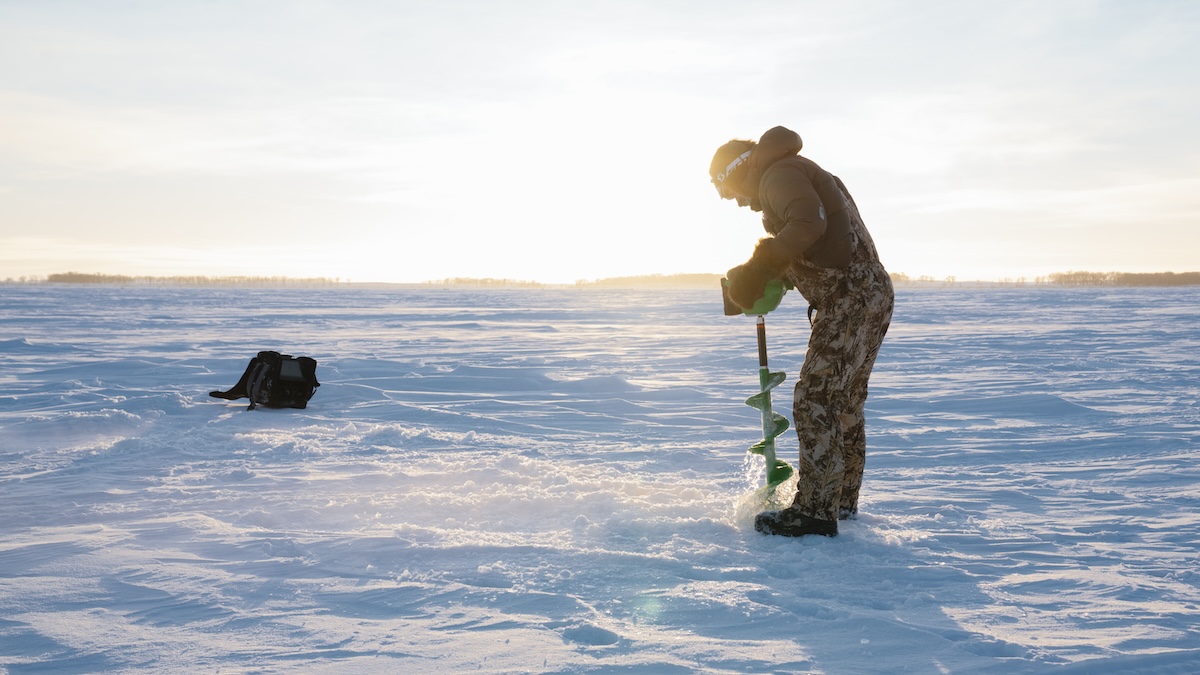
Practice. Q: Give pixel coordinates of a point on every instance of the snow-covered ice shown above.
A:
(556, 480)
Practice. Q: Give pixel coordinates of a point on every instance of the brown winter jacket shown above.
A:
(803, 205)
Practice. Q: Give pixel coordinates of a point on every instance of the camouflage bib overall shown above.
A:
(850, 311)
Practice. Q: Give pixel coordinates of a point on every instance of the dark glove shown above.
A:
(748, 282)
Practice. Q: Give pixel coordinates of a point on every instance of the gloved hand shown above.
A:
(748, 282)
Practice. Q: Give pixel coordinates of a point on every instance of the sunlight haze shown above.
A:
(556, 142)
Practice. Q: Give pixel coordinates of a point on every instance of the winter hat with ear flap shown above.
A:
(728, 167)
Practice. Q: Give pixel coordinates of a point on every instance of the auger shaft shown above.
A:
(773, 424)
(764, 387)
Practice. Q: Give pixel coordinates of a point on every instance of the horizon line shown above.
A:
(680, 280)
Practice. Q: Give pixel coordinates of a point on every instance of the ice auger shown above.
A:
(773, 424)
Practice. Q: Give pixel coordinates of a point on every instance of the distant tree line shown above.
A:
(1079, 279)
(902, 278)
(468, 281)
(1125, 279)
(121, 279)
(655, 281)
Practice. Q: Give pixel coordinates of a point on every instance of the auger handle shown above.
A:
(761, 326)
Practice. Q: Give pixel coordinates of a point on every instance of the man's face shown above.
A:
(728, 184)
(730, 190)
(726, 191)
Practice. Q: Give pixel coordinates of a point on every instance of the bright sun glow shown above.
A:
(572, 143)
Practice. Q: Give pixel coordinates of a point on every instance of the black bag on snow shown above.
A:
(275, 380)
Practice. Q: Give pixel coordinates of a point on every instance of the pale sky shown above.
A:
(559, 141)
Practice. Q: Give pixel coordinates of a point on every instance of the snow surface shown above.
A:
(556, 481)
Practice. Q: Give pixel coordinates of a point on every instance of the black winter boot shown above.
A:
(790, 522)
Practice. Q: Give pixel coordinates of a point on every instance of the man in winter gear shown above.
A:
(819, 244)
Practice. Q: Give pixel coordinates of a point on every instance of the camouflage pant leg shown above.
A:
(832, 390)
(854, 435)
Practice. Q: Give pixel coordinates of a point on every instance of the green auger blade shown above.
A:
(779, 473)
(780, 425)
(761, 447)
(773, 380)
(762, 399)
